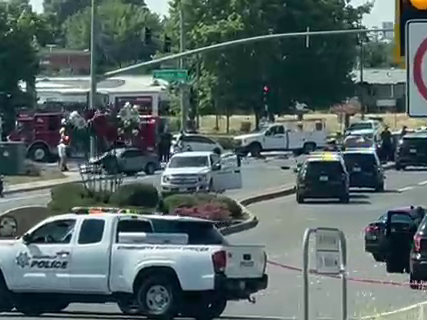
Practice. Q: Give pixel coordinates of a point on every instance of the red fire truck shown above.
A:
(41, 133)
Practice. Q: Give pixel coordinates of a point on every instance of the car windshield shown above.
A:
(189, 162)
(364, 161)
(199, 233)
(360, 126)
(398, 217)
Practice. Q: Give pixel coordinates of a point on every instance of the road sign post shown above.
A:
(331, 258)
(416, 85)
(171, 75)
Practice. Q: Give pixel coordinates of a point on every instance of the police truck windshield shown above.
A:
(189, 162)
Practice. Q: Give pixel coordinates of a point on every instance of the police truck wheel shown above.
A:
(206, 310)
(39, 153)
(6, 304)
(128, 306)
(158, 296)
(29, 305)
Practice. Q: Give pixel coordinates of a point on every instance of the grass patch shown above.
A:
(35, 173)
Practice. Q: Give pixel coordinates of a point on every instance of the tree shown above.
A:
(378, 54)
(318, 75)
(20, 30)
(121, 39)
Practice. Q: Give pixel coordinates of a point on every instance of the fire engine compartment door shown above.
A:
(231, 174)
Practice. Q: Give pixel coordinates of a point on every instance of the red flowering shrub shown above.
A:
(214, 211)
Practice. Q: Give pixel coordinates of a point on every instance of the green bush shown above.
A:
(173, 202)
(65, 197)
(232, 206)
(135, 195)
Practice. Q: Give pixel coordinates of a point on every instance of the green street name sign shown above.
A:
(171, 75)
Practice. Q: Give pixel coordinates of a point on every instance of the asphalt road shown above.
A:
(282, 223)
(256, 175)
(281, 228)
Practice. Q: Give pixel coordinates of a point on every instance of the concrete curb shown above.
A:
(252, 221)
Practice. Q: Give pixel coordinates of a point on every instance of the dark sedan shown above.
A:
(376, 237)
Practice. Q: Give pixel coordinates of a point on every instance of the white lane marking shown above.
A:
(422, 183)
(405, 189)
(401, 310)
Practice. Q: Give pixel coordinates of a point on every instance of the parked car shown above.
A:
(412, 151)
(123, 160)
(364, 168)
(323, 176)
(194, 142)
(375, 232)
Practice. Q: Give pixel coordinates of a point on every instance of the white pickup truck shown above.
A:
(278, 137)
(157, 266)
(207, 171)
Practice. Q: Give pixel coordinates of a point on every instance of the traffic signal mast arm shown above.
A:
(239, 42)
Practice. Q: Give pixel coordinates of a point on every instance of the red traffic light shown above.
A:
(266, 89)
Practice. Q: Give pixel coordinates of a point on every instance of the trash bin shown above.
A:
(12, 158)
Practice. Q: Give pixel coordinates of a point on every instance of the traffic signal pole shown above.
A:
(93, 79)
(227, 44)
(183, 91)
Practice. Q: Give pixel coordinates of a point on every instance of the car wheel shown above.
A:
(394, 267)
(300, 198)
(415, 282)
(255, 149)
(345, 199)
(398, 167)
(378, 257)
(380, 187)
(158, 296)
(309, 147)
(150, 169)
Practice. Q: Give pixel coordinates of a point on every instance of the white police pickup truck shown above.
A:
(158, 266)
(189, 172)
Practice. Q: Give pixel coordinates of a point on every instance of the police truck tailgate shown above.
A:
(245, 262)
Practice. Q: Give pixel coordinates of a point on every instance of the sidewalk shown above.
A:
(40, 185)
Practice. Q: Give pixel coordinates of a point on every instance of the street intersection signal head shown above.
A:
(419, 4)
(407, 10)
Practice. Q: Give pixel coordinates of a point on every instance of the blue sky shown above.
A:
(383, 9)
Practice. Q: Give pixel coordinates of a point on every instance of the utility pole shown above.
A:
(183, 90)
(93, 87)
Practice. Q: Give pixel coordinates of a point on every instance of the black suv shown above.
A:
(364, 168)
(412, 151)
(323, 176)
(418, 256)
